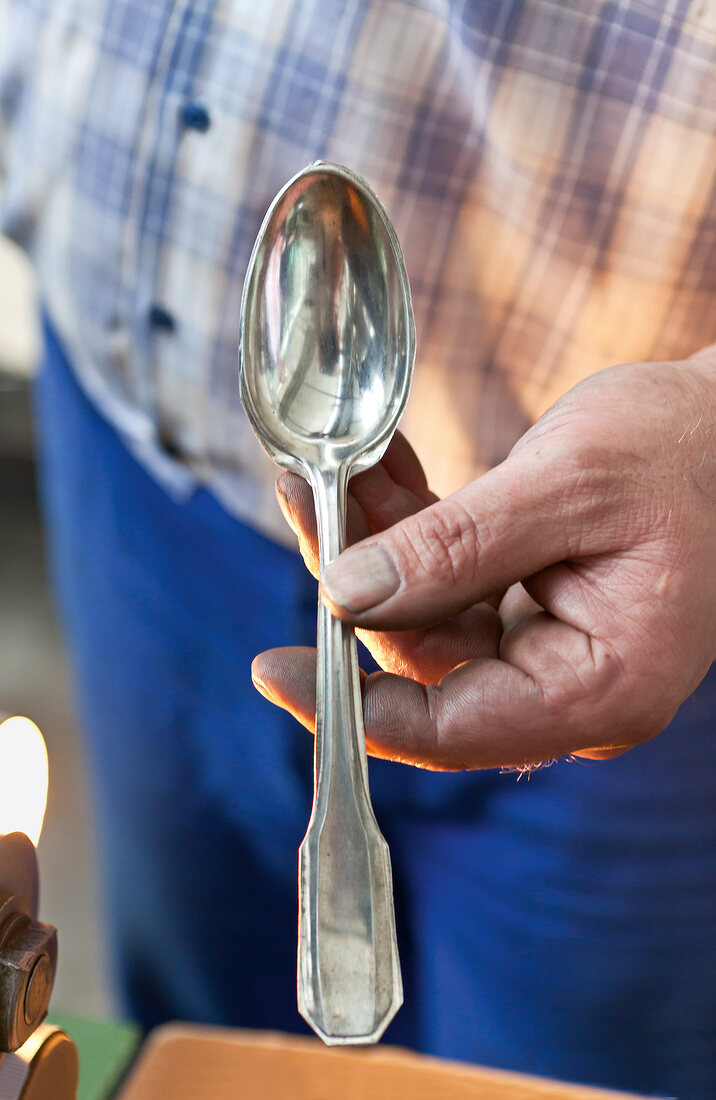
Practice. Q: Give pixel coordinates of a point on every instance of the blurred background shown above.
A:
(34, 678)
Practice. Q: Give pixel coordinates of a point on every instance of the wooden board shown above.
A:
(182, 1062)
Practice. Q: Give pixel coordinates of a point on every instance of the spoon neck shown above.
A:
(330, 490)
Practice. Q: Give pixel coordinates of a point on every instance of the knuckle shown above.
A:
(582, 683)
(603, 694)
(442, 542)
(453, 731)
(587, 488)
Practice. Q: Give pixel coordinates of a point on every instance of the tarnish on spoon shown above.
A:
(326, 352)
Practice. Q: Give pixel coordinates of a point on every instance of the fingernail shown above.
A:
(360, 578)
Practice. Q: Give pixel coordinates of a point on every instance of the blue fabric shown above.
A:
(563, 925)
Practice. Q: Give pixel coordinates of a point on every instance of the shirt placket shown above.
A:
(147, 223)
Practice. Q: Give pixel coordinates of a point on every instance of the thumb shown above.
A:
(541, 505)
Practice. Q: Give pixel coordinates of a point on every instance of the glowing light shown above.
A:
(23, 778)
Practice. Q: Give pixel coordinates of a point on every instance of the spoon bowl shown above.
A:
(327, 333)
(327, 344)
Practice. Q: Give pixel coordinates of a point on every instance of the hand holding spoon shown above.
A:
(326, 347)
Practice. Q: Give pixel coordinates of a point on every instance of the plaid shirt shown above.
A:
(550, 168)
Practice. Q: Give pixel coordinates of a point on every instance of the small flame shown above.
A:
(23, 778)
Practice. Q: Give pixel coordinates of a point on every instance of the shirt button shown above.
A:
(195, 116)
(159, 317)
(168, 444)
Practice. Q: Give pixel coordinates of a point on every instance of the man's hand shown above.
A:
(565, 602)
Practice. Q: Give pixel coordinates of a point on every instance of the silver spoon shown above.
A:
(326, 350)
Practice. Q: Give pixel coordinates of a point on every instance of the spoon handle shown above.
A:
(349, 983)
